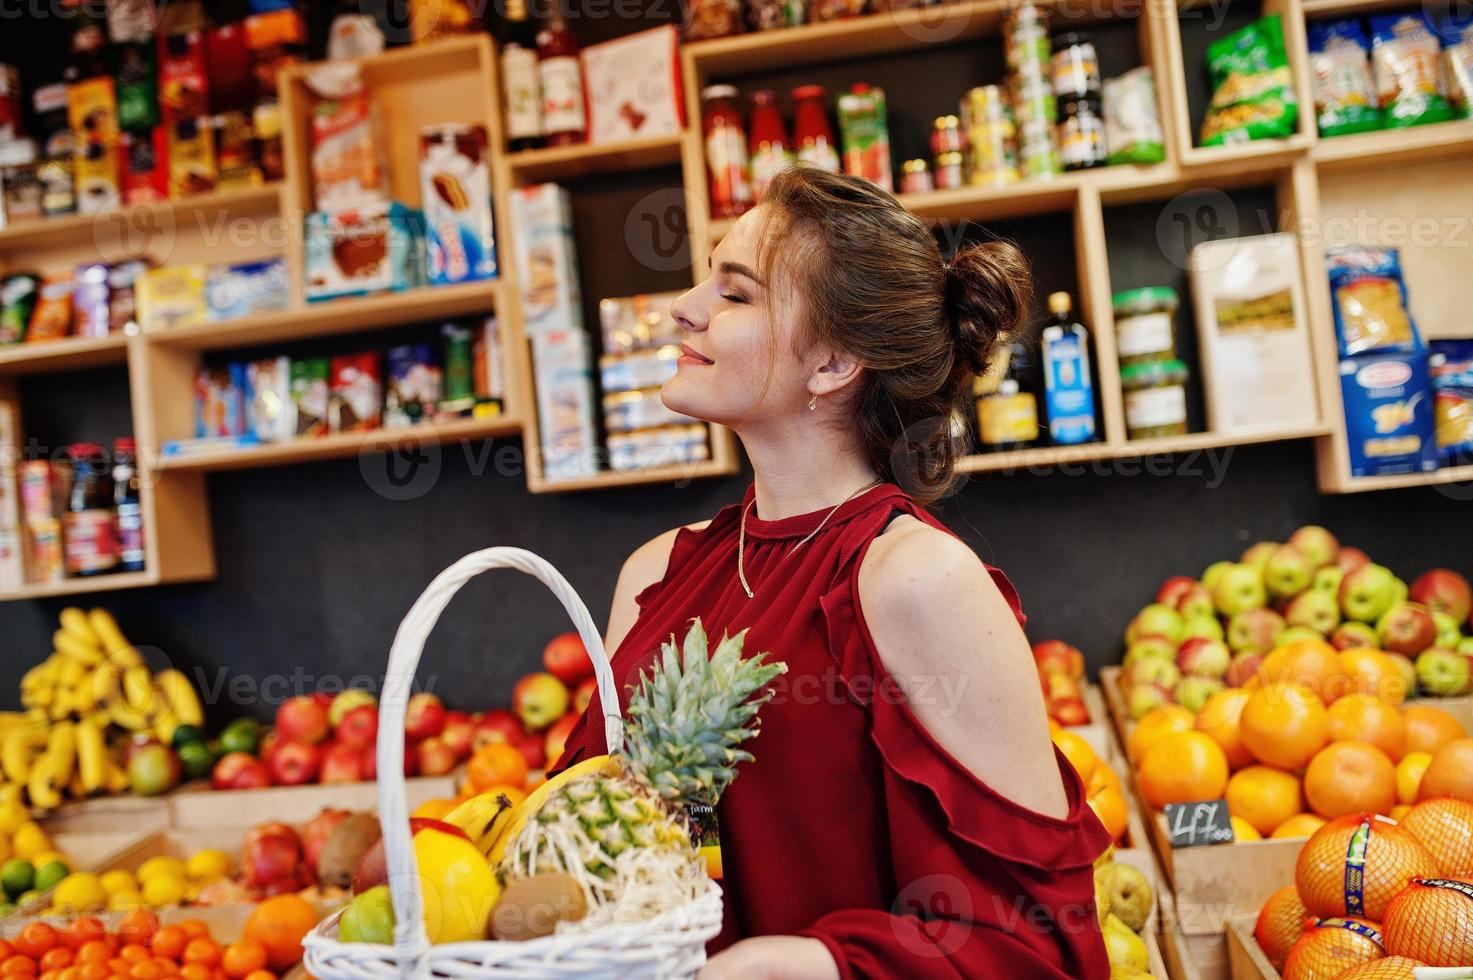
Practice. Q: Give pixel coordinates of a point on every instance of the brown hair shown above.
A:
(876, 288)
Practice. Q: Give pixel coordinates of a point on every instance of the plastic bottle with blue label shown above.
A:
(1068, 387)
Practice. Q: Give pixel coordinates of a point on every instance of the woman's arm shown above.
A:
(643, 568)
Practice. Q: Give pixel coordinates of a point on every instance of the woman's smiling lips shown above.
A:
(691, 356)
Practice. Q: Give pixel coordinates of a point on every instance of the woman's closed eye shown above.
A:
(732, 297)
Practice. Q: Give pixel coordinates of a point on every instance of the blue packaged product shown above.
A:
(1370, 300)
(1457, 63)
(246, 288)
(353, 253)
(1068, 388)
(1388, 413)
(219, 402)
(415, 384)
(455, 191)
(1344, 96)
(1451, 366)
(1404, 52)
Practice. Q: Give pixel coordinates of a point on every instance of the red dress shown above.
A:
(853, 825)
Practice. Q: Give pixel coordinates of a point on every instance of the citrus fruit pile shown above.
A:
(1102, 787)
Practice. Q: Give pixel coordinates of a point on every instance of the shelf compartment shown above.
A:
(336, 317)
(678, 474)
(81, 586)
(586, 160)
(84, 229)
(340, 446)
(1437, 478)
(1051, 456)
(1413, 144)
(66, 354)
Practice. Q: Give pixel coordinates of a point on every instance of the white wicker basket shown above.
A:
(670, 946)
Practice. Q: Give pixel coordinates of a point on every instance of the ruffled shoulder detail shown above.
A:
(687, 542)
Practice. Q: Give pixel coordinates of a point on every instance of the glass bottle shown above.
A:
(89, 527)
(564, 120)
(769, 151)
(812, 135)
(726, 151)
(128, 508)
(1068, 388)
(519, 81)
(1007, 416)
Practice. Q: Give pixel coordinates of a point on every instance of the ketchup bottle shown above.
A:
(726, 151)
(564, 120)
(811, 132)
(769, 152)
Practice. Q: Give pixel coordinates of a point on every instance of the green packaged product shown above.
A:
(1252, 87)
(1345, 99)
(1404, 51)
(18, 296)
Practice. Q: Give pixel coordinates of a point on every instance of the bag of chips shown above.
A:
(1344, 96)
(1370, 299)
(1457, 64)
(1253, 94)
(1405, 53)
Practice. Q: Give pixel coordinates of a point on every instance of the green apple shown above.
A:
(1316, 609)
(1400, 591)
(1145, 698)
(1258, 554)
(1366, 593)
(1204, 657)
(1328, 579)
(369, 918)
(1214, 572)
(1287, 572)
(1316, 543)
(1298, 633)
(1239, 588)
(1353, 634)
(1444, 673)
(1449, 633)
(1149, 648)
(1254, 629)
(1196, 601)
(1207, 627)
(1155, 620)
(1192, 693)
(1153, 670)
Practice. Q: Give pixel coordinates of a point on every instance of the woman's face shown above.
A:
(737, 367)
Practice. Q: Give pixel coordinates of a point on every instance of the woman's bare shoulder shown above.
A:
(642, 569)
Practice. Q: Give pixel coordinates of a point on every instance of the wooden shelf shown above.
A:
(81, 229)
(1347, 8)
(679, 474)
(339, 446)
(1055, 456)
(67, 354)
(81, 586)
(1411, 144)
(585, 160)
(1451, 474)
(337, 316)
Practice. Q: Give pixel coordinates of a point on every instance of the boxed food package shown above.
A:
(97, 177)
(547, 260)
(268, 399)
(12, 111)
(1451, 364)
(58, 179)
(455, 189)
(235, 162)
(358, 252)
(52, 317)
(122, 295)
(91, 315)
(487, 364)
(1388, 413)
(357, 393)
(347, 172)
(565, 403)
(415, 385)
(311, 392)
(1253, 334)
(42, 490)
(634, 86)
(137, 76)
(246, 288)
(192, 166)
(457, 395)
(20, 193)
(171, 297)
(631, 323)
(45, 560)
(145, 166)
(12, 560)
(219, 402)
(184, 90)
(92, 109)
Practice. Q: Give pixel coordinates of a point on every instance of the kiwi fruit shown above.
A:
(532, 907)
(345, 848)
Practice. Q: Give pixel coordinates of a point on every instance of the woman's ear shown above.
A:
(834, 374)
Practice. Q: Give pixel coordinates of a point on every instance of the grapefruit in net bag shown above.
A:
(1355, 866)
(1432, 921)
(1331, 946)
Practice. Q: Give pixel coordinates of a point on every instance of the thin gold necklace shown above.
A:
(742, 533)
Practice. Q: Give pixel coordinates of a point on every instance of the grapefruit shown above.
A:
(1373, 673)
(1409, 773)
(1450, 773)
(1081, 754)
(1429, 728)
(1386, 968)
(1386, 855)
(1219, 718)
(1432, 921)
(1264, 797)
(1284, 725)
(1445, 828)
(1309, 663)
(1281, 922)
(1183, 767)
(1332, 946)
(1299, 825)
(1350, 777)
(1157, 723)
(1370, 720)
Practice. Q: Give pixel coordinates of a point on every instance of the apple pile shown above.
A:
(1061, 672)
(1201, 635)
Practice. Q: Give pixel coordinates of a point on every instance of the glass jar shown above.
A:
(1155, 399)
(726, 151)
(1145, 325)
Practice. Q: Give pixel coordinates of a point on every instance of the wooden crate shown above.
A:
(1460, 708)
(1245, 960)
(90, 850)
(1114, 697)
(198, 807)
(139, 814)
(1099, 733)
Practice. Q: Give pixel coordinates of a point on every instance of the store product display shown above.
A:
(1253, 94)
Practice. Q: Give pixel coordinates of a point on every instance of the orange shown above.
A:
(196, 971)
(1429, 728)
(279, 924)
(138, 926)
(1409, 773)
(1284, 725)
(94, 951)
(435, 809)
(56, 958)
(1431, 923)
(1244, 831)
(193, 927)
(84, 929)
(496, 763)
(203, 949)
(1299, 825)
(36, 939)
(1332, 946)
(1370, 720)
(1311, 663)
(1450, 773)
(169, 941)
(1264, 797)
(241, 958)
(146, 970)
(1390, 857)
(1079, 753)
(1373, 673)
(1399, 812)
(1109, 805)
(260, 975)
(1386, 968)
(1445, 828)
(1156, 723)
(1281, 922)
(1183, 767)
(1219, 718)
(1350, 777)
(133, 953)
(17, 965)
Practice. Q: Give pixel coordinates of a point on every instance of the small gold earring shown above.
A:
(813, 403)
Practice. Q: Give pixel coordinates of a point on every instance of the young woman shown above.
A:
(907, 815)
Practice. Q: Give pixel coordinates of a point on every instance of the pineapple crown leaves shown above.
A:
(692, 711)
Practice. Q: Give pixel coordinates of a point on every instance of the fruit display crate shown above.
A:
(1460, 708)
(1098, 733)
(197, 807)
(1117, 714)
(1245, 960)
(140, 814)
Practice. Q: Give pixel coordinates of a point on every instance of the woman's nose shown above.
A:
(686, 311)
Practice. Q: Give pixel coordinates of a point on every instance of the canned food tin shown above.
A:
(950, 171)
(1025, 35)
(986, 104)
(1075, 66)
(994, 156)
(915, 177)
(946, 136)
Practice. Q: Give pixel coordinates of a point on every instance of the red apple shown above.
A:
(557, 739)
(1196, 602)
(239, 770)
(496, 725)
(323, 698)
(295, 763)
(272, 855)
(1056, 656)
(359, 726)
(1254, 629)
(315, 834)
(368, 763)
(1407, 628)
(372, 870)
(352, 698)
(1349, 559)
(1243, 668)
(566, 659)
(435, 757)
(533, 747)
(1315, 543)
(302, 719)
(1443, 590)
(342, 763)
(584, 695)
(1069, 712)
(154, 769)
(1204, 657)
(1353, 634)
(411, 759)
(424, 716)
(539, 700)
(458, 734)
(1173, 589)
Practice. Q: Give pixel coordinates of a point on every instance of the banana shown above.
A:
(125, 717)
(81, 652)
(115, 778)
(19, 750)
(12, 793)
(91, 756)
(138, 689)
(106, 630)
(180, 696)
(84, 697)
(72, 672)
(74, 787)
(604, 765)
(74, 621)
(482, 818)
(164, 724)
(43, 786)
(61, 749)
(60, 707)
(126, 657)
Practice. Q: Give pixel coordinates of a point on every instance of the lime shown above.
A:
(162, 864)
(369, 918)
(163, 889)
(29, 840)
(197, 759)
(51, 875)
(27, 898)
(185, 734)
(17, 876)
(207, 865)
(241, 735)
(81, 892)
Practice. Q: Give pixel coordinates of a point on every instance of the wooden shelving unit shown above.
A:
(1413, 145)
(1049, 457)
(585, 160)
(82, 586)
(87, 230)
(69, 354)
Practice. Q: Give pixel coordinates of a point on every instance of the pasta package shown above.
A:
(1345, 99)
(1457, 65)
(1405, 54)
(1370, 301)
(1252, 87)
(1451, 366)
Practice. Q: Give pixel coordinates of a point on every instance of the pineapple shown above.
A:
(622, 829)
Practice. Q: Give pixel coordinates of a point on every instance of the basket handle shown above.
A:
(409, 932)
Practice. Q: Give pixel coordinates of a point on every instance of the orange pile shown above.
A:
(1103, 791)
(1332, 946)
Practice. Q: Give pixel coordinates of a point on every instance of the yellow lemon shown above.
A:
(162, 889)
(81, 891)
(12, 815)
(163, 864)
(1409, 773)
(207, 865)
(124, 901)
(46, 857)
(118, 880)
(1244, 831)
(29, 840)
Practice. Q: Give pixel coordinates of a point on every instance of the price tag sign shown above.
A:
(1196, 824)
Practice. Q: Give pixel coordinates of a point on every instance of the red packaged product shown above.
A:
(726, 152)
(276, 41)
(356, 403)
(145, 166)
(769, 152)
(184, 85)
(228, 60)
(813, 138)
